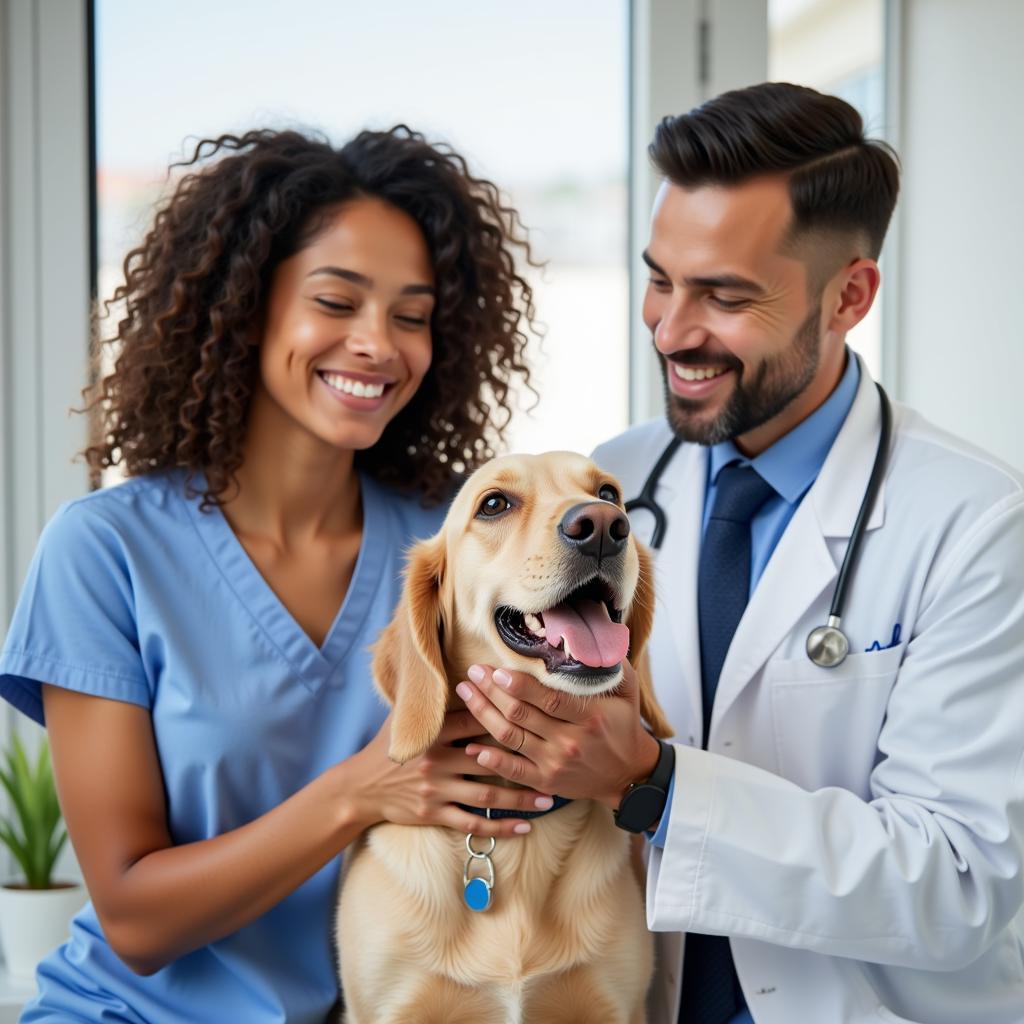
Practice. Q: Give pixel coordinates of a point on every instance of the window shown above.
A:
(534, 95)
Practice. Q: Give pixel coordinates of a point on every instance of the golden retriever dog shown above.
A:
(534, 569)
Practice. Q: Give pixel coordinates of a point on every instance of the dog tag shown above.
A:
(477, 894)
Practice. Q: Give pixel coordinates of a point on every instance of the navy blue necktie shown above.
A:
(711, 990)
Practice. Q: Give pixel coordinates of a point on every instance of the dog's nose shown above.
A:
(595, 528)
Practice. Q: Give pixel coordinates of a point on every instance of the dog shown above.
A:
(534, 569)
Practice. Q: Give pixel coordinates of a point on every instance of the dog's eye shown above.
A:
(608, 493)
(493, 505)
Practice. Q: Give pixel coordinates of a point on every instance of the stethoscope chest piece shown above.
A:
(827, 645)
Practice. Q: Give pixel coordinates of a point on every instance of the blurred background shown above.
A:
(538, 102)
(555, 100)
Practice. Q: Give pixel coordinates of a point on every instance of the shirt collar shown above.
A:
(792, 464)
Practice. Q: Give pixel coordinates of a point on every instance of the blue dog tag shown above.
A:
(477, 894)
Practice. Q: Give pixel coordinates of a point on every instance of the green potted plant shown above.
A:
(35, 910)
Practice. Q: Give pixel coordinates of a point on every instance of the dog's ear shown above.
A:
(640, 622)
(408, 663)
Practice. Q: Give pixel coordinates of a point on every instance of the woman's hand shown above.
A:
(591, 748)
(427, 789)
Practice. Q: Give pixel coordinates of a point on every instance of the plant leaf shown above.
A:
(15, 787)
(54, 852)
(37, 814)
(17, 849)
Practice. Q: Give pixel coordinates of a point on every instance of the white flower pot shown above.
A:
(33, 922)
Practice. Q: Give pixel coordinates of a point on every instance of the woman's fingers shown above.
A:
(488, 796)
(460, 780)
(522, 698)
(443, 761)
(513, 767)
(512, 732)
(477, 825)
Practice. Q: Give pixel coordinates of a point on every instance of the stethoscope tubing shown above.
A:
(866, 506)
(646, 501)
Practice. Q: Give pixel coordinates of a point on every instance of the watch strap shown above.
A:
(662, 774)
(644, 802)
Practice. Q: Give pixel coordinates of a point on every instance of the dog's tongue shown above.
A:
(590, 634)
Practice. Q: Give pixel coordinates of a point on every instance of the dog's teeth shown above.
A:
(533, 624)
(565, 645)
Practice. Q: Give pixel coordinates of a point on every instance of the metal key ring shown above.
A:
(480, 853)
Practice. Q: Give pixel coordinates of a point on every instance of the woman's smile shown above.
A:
(357, 391)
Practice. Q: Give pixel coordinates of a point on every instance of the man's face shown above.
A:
(731, 314)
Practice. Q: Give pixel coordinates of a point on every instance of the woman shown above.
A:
(314, 343)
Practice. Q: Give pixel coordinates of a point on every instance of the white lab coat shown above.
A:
(858, 832)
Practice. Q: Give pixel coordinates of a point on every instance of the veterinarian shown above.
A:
(839, 838)
(302, 357)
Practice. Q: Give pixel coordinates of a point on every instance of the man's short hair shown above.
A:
(840, 182)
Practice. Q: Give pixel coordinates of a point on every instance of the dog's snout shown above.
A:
(595, 528)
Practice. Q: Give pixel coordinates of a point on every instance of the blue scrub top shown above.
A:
(136, 595)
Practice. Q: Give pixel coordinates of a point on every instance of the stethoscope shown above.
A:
(827, 646)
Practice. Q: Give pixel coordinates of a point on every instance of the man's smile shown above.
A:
(696, 382)
(697, 372)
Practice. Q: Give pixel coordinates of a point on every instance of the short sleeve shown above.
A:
(74, 624)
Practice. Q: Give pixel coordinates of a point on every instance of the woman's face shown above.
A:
(346, 339)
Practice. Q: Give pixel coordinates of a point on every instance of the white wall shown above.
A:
(958, 337)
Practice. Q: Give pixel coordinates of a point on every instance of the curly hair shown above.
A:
(186, 365)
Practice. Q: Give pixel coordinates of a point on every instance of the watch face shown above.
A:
(641, 807)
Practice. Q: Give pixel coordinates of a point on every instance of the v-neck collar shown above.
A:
(312, 664)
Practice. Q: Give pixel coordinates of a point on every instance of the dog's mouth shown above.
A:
(582, 636)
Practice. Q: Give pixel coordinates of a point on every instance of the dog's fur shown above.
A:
(565, 939)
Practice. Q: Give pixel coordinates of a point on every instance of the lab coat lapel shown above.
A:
(676, 642)
(802, 566)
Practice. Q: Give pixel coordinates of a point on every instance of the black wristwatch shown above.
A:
(644, 802)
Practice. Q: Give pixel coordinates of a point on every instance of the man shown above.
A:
(840, 844)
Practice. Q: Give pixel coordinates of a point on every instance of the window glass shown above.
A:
(535, 95)
(836, 46)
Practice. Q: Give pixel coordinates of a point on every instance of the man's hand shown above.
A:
(583, 747)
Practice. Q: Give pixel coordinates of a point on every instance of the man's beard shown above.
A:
(775, 383)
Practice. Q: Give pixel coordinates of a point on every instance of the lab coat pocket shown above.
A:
(827, 721)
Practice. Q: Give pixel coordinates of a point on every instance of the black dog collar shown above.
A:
(560, 802)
